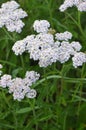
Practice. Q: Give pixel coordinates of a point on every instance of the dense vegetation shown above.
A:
(60, 103)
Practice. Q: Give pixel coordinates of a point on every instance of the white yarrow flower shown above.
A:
(80, 4)
(48, 56)
(66, 4)
(78, 59)
(19, 47)
(31, 78)
(31, 94)
(41, 26)
(10, 5)
(47, 48)
(19, 87)
(76, 45)
(63, 36)
(11, 15)
(5, 80)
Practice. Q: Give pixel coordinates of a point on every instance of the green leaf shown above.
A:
(3, 125)
(25, 110)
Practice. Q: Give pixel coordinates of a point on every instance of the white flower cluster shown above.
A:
(78, 59)
(20, 87)
(48, 48)
(11, 15)
(63, 36)
(80, 4)
(41, 26)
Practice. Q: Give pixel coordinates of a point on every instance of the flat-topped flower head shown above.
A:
(10, 5)
(31, 77)
(5, 80)
(20, 87)
(63, 36)
(76, 46)
(48, 56)
(47, 48)
(66, 4)
(80, 4)
(19, 47)
(78, 59)
(11, 15)
(41, 26)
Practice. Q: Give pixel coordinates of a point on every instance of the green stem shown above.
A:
(34, 114)
(32, 104)
(77, 23)
(62, 79)
(79, 18)
(64, 123)
(81, 86)
(75, 92)
(22, 61)
(15, 120)
(5, 99)
(7, 62)
(67, 79)
(10, 37)
(45, 76)
(50, 11)
(79, 98)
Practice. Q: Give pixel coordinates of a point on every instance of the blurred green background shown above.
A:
(60, 104)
